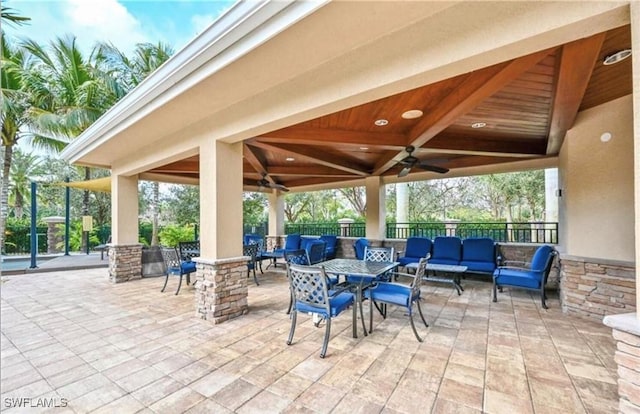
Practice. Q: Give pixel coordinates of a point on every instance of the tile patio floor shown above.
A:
(129, 348)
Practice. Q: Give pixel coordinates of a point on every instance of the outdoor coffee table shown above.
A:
(454, 270)
(273, 258)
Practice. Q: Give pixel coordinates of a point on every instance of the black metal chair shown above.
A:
(189, 250)
(310, 288)
(175, 266)
(399, 295)
(251, 250)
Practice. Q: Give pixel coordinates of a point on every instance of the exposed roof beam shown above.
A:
(497, 147)
(576, 65)
(183, 166)
(312, 155)
(477, 87)
(316, 170)
(257, 161)
(332, 136)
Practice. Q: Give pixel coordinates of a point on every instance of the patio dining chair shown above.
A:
(251, 250)
(398, 294)
(375, 254)
(176, 267)
(310, 290)
(298, 257)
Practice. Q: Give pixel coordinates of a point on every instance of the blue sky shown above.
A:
(124, 23)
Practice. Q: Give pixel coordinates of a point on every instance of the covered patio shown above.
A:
(128, 348)
(313, 95)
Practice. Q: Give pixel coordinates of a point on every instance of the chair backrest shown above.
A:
(189, 249)
(542, 258)
(330, 240)
(480, 249)
(420, 271)
(292, 242)
(359, 246)
(255, 239)
(250, 250)
(298, 256)
(378, 254)
(316, 251)
(309, 285)
(170, 258)
(448, 248)
(417, 247)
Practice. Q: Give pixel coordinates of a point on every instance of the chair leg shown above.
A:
(290, 304)
(327, 335)
(495, 293)
(370, 314)
(179, 284)
(421, 315)
(543, 297)
(293, 327)
(254, 276)
(413, 325)
(188, 279)
(166, 279)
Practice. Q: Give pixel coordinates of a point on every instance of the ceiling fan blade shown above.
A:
(434, 168)
(280, 187)
(404, 172)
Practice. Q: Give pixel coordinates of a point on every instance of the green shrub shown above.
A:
(172, 234)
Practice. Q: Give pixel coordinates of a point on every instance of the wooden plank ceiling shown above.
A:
(526, 106)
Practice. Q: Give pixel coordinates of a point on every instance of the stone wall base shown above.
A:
(221, 289)
(626, 330)
(595, 288)
(125, 262)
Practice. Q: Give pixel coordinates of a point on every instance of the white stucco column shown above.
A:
(220, 200)
(124, 214)
(635, 70)
(276, 213)
(376, 209)
(125, 251)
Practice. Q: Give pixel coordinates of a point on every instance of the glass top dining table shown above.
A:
(355, 267)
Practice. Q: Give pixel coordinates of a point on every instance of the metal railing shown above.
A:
(513, 232)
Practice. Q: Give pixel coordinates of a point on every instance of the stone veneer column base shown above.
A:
(125, 262)
(626, 330)
(597, 287)
(221, 288)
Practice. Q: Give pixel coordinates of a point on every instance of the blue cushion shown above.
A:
(338, 303)
(292, 242)
(357, 279)
(317, 255)
(393, 293)
(479, 250)
(331, 241)
(514, 277)
(473, 266)
(186, 267)
(417, 247)
(406, 260)
(447, 248)
(540, 257)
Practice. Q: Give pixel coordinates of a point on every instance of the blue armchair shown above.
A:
(330, 250)
(316, 251)
(175, 266)
(446, 251)
(292, 242)
(532, 278)
(359, 247)
(310, 293)
(399, 295)
(416, 248)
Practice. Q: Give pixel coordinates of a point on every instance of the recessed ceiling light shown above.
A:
(606, 137)
(290, 159)
(478, 125)
(381, 122)
(617, 57)
(412, 114)
(364, 148)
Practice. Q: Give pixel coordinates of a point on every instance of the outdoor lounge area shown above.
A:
(73, 336)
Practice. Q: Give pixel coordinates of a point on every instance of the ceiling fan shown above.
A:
(410, 161)
(264, 183)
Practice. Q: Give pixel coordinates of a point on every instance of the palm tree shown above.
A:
(9, 16)
(23, 168)
(128, 73)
